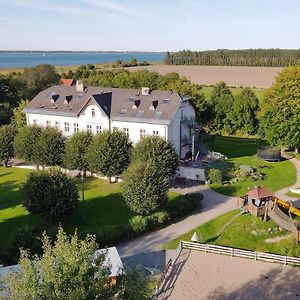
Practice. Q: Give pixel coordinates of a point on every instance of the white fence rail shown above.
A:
(234, 252)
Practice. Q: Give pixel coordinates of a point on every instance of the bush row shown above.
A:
(29, 236)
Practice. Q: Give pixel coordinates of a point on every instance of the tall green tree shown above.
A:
(279, 116)
(65, 271)
(19, 117)
(7, 135)
(245, 107)
(75, 151)
(39, 77)
(25, 144)
(50, 147)
(109, 153)
(159, 151)
(144, 188)
(221, 103)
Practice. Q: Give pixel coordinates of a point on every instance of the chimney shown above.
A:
(79, 86)
(136, 104)
(153, 105)
(145, 91)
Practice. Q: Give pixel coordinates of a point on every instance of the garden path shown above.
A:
(146, 250)
(281, 194)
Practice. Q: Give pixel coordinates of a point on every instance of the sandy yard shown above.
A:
(234, 76)
(197, 275)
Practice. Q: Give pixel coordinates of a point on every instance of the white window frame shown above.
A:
(126, 130)
(98, 129)
(93, 113)
(75, 127)
(142, 133)
(67, 126)
(89, 128)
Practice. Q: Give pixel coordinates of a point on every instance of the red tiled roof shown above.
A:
(67, 82)
(259, 193)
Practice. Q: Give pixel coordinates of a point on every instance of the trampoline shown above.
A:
(269, 153)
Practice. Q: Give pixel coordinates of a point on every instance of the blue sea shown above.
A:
(29, 59)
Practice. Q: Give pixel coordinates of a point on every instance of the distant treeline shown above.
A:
(225, 57)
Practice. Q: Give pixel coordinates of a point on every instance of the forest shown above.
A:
(245, 57)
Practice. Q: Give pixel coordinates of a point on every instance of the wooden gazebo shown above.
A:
(255, 200)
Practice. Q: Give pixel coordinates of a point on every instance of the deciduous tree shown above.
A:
(279, 117)
(109, 153)
(75, 151)
(144, 188)
(50, 193)
(159, 151)
(25, 143)
(7, 135)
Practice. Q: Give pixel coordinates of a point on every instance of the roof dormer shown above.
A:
(153, 105)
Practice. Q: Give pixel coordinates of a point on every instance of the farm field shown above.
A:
(260, 77)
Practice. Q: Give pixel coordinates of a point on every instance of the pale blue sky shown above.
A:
(151, 25)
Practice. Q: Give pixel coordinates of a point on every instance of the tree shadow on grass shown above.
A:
(97, 212)
(10, 194)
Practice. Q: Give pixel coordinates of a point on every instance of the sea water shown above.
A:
(28, 59)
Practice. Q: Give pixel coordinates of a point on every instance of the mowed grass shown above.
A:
(259, 92)
(245, 232)
(243, 151)
(103, 206)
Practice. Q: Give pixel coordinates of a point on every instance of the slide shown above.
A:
(280, 218)
(286, 205)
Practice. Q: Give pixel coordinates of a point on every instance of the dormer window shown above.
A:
(93, 113)
(153, 105)
(54, 97)
(136, 104)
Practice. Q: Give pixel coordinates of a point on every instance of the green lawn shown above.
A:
(103, 205)
(243, 152)
(259, 92)
(245, 232)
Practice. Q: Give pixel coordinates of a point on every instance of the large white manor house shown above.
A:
(73, 107)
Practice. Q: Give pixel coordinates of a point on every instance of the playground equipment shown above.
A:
(261, 203)
(269, 153)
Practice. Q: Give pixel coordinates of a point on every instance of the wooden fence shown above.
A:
(234, 252)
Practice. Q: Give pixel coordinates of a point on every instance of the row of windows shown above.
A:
(66, 126)
(142, 132)
(89, 128)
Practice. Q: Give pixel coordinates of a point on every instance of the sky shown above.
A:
(148, 25)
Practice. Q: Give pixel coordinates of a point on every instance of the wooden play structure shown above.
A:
(261, 203)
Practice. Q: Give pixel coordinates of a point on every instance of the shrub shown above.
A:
(23, 238)
(215, 176)
(138, 224)
(184, 204)
(111, 234)
(144, 188)
(52, 194)
(157, 219)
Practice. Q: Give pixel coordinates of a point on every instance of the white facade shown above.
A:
(93, 118)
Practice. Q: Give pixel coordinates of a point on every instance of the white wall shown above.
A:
(186, 111)
(169, 132)
(83, 120)
(134, 129)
